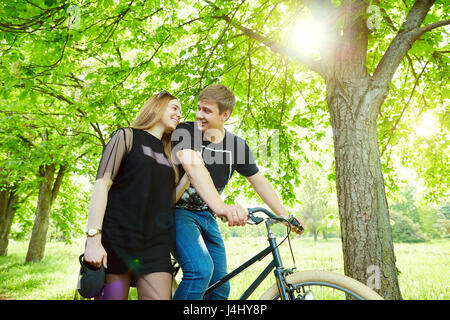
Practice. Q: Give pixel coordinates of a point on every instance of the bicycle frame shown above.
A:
(276, 264)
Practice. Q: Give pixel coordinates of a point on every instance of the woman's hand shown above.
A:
(94, 253)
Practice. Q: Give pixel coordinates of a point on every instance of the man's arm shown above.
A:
(267, 193)
(201, 180)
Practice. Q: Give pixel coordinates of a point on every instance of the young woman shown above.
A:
(130, 216)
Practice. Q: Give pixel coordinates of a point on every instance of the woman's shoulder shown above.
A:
(124, 135)
(122, 131)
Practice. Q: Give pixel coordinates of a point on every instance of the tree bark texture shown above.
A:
(366, 232)
(48, 190)
(8, 202)
(36, 247)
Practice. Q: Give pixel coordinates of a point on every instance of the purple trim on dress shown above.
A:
(159, 157)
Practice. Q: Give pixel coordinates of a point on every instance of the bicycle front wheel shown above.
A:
(322, 285)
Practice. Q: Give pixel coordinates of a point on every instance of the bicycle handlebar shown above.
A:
(291, 220)
(257, 220)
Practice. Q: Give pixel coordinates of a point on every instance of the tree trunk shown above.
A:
(38, 239)
(314, 231)
(8, 202)
(366, 231)
(47, 196)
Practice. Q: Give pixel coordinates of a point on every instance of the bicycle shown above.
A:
(290, 285)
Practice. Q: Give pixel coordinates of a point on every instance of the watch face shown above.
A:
(92, 232)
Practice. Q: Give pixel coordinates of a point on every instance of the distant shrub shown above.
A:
(404, 229)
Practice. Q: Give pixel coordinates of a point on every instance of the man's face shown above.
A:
(208, 116)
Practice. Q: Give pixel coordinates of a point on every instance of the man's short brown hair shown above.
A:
(219, 93)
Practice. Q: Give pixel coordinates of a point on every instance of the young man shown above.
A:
(209, 155)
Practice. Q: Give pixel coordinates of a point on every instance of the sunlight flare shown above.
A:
(307, 35)
(427, 125)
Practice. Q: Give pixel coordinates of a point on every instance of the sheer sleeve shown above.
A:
(114, 152)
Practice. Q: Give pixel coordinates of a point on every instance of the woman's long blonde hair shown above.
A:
(150, 114)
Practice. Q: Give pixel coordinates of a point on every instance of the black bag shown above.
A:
(90, 279)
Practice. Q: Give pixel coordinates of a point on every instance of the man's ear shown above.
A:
(226, 115)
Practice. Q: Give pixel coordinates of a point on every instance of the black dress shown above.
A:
(137, 226)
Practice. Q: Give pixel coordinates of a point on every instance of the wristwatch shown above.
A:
(93, 232)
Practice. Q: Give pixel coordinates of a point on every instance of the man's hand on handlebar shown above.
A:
(236, 215)
(297, 225)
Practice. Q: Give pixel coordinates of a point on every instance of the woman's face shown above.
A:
(172, 115)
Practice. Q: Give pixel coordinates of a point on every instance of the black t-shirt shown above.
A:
(221, 160)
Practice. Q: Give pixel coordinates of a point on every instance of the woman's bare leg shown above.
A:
(116, 287)
(154, 286)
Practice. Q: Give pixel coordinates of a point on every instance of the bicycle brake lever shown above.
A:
(255, 220)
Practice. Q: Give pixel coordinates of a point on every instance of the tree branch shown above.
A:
(283, 103)
(277, 47)
(30, 22)
(116, 23)
(28, 142)
(67, 100)
(57, 61)
(403, 111)
(409, 32)
(433, 26)
(390, 23)
(58, 96)
(273, 45)
(58, 182)
(249, 82)
(216, 44)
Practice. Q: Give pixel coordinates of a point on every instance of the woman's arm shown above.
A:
(119, 145)
(98, 202)
(94, 252)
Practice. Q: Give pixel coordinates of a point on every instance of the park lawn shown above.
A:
(53, 278)
(424, 267)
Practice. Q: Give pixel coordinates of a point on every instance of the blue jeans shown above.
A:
(200, 251)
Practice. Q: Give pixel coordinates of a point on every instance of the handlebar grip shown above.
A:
(296, 224)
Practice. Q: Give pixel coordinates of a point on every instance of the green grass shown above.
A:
(55, 277)
(424, 267)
